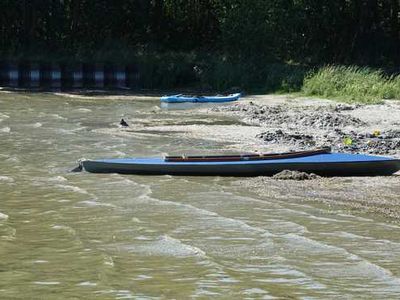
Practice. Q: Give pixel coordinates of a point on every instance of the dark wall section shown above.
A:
(78, 75)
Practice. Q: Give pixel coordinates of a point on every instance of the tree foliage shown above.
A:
(365, 32)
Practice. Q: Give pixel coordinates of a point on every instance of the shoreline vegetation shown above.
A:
(347, 50)
(350, 84)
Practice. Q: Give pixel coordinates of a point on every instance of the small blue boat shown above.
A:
(180, 98)
(320, 162)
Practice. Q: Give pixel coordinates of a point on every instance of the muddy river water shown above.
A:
(88, 236)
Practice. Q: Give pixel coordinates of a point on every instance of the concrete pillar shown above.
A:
(13, 75)
(77, 76)
(55, 76)
(98, 75)
(120, 77)
(34, 75)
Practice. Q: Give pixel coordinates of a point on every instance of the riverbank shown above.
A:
(286, 123)
(299, 123)
(270, 123)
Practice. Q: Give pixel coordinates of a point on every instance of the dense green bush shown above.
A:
(302, 31)
(166, 71)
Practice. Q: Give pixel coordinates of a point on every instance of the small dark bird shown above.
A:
(123, 123)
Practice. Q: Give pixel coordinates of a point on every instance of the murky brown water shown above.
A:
(87, 236)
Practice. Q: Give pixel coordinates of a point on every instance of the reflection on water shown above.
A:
(111, 236)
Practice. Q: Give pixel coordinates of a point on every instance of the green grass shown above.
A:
(352, 84)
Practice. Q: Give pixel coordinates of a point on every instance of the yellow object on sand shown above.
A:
(376, 133)
(347, 141)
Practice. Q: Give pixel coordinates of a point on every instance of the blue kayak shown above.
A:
(318, 162)
(180, 98)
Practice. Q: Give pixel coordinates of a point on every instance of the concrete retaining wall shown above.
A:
(35, 75)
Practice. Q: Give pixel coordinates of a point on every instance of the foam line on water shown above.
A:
(191, 208)
(52, 116)
(348, 235)
(94, 203)
(281, 205)
(83, 110)
(239, 223)
(164, 245)
(10, 234)
(3, 116)
(346, 218)
(13, 159)
(5, 130)
(35, 125)
(3, 216)
(64, 228)
(285, 274)
(142, 189)
(362, 266)
(69, 131)
(6, 179)
(119, 153)
(283, 213)
(289, 225)
(72, 188)
(387, 247)
(353, 236)
(86, 283)
(286, 206)
(56, 179)
(46, 282)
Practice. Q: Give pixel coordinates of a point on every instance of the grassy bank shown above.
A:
(343, 83)
(352, 84)
(204, 73)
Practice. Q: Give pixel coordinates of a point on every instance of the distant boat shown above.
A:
(180, 98)
(319, 161)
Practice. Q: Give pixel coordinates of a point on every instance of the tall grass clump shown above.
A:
(352, 84)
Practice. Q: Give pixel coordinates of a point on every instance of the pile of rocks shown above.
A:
(309, 126)
(295, 139)
(387, 142)
(323, 117)
(325, 120)
(294, 175)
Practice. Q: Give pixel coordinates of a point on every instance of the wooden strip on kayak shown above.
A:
(244, 157)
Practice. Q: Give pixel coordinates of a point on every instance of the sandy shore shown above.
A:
(280, 123)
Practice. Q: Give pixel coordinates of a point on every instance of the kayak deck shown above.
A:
(325, 164)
